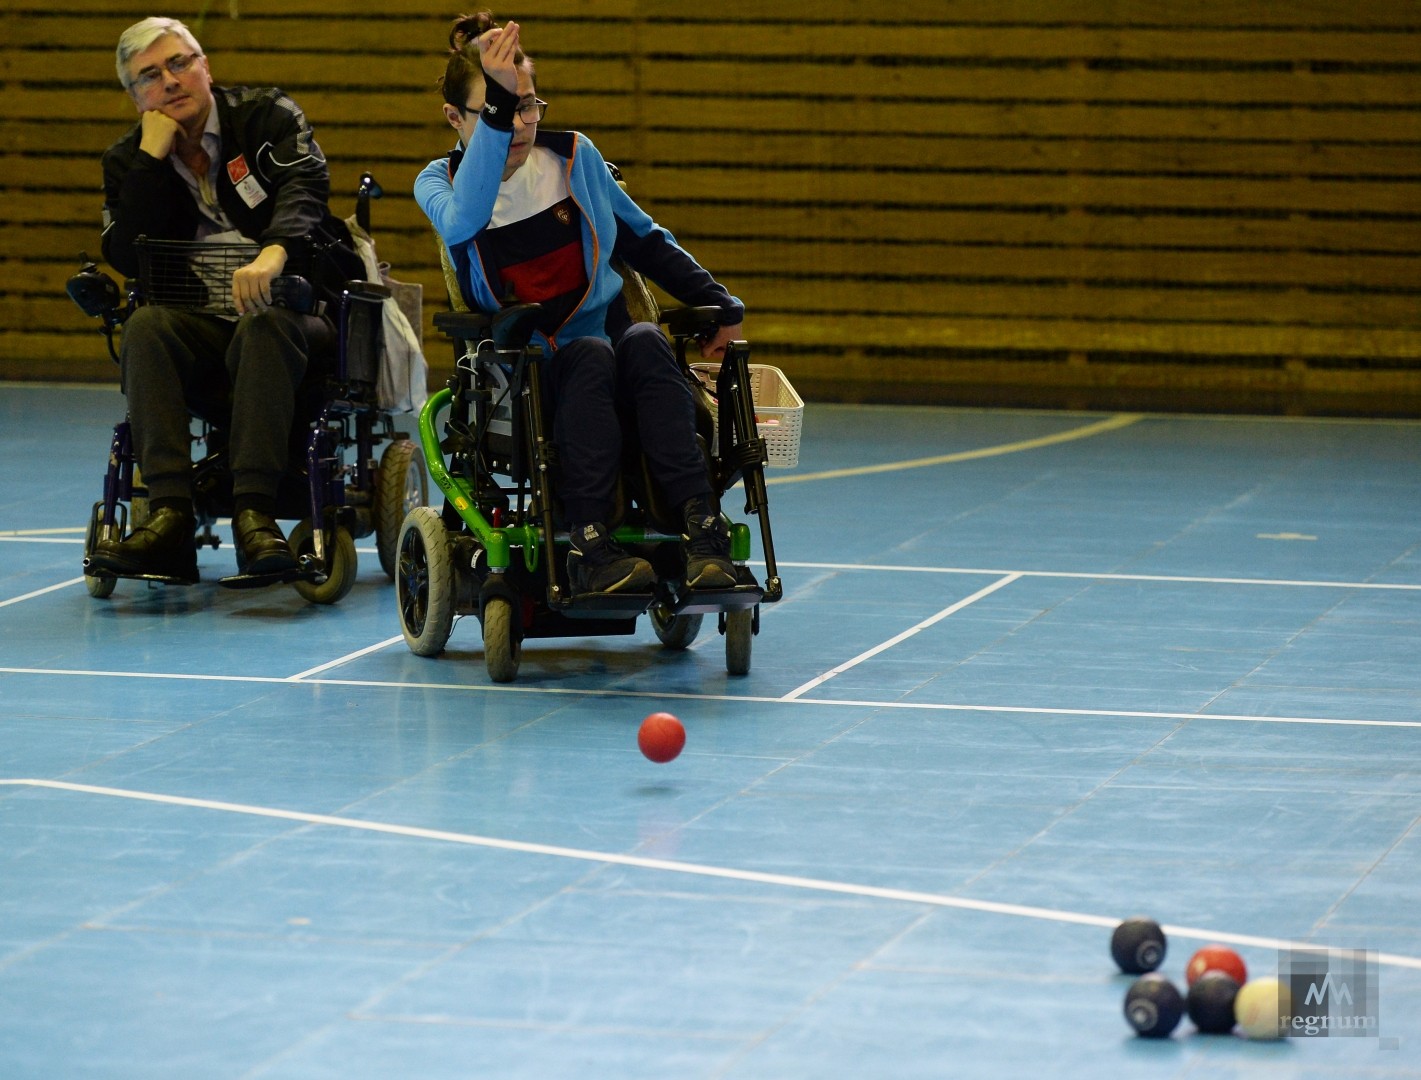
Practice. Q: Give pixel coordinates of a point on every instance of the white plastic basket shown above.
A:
(779, 411)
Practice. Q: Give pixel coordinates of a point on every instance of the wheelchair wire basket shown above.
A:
(191, 275)
(779, 411)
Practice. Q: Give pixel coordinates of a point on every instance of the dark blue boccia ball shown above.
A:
(1138, 945)
(1211, 1002)
(1153, 1006)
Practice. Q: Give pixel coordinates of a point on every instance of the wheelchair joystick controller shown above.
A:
(94, 291)
(294, 293)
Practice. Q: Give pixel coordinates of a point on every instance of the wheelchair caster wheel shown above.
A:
(100, 586)
(739, 634)
(340, 568)
(502, 649)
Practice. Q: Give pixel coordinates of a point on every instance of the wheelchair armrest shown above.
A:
(512, 327)
(691, 321)
(464, 325)
(368, 290)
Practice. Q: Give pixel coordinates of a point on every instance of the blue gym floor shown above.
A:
(1034, 672)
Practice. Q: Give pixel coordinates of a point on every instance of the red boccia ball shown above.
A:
(661, 737)
(1216, 958)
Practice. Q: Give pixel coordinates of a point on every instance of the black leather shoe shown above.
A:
(161, 549)
(261, 547)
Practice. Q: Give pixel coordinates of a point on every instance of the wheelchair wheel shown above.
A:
(739, 634)
(502, 649)
(424, 582)
(675, 631)
(401, 485)
(100, 586)
(341, 563)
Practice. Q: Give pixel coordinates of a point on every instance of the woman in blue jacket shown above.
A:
(533, 216)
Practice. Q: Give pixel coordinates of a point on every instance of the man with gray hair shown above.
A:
(206, 162)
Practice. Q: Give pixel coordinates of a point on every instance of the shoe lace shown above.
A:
(707, 535)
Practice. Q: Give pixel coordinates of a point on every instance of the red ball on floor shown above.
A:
(661, 737)
(1216, 958)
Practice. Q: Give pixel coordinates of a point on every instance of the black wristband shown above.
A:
(499, 105)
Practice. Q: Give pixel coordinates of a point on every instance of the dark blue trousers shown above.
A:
(595, 388)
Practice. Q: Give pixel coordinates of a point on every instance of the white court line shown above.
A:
(819, 680)
(983, 571)
(345, 659)
(41, 592)
(661, 695)
(907, 896)
(1088, 576)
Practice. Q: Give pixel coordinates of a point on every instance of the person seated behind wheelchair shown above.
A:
(223, 164)
(535, 216)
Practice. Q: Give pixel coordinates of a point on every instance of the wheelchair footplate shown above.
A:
(746, 593)
(608, 605)
(261, 581)
(706, 601)
(152, 579)
(304, 570)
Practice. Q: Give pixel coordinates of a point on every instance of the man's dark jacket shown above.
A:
(264, 132)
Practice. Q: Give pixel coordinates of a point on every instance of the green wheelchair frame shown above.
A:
(496, 550)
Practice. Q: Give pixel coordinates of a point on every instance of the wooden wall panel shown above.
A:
(1037, 200)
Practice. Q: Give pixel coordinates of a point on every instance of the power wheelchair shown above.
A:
(337, 411)
(497, 550)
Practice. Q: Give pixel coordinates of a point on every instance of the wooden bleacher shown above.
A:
(1158, 204)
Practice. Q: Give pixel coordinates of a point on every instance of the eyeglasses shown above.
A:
(150, 77)
(533, 112)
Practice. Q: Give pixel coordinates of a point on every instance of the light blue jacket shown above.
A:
(457, 194)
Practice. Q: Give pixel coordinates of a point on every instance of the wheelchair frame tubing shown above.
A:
(496, 542)
(118, 477)
(323, 480)
(737, 416)
(537, 443)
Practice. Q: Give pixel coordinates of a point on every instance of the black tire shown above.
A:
(424, 582)
(341, 563)
(675, 631)
(739, 635)
(502, 649)
(401, 485)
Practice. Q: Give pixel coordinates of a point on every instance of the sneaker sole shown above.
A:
(640, 579)
(712, 577)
